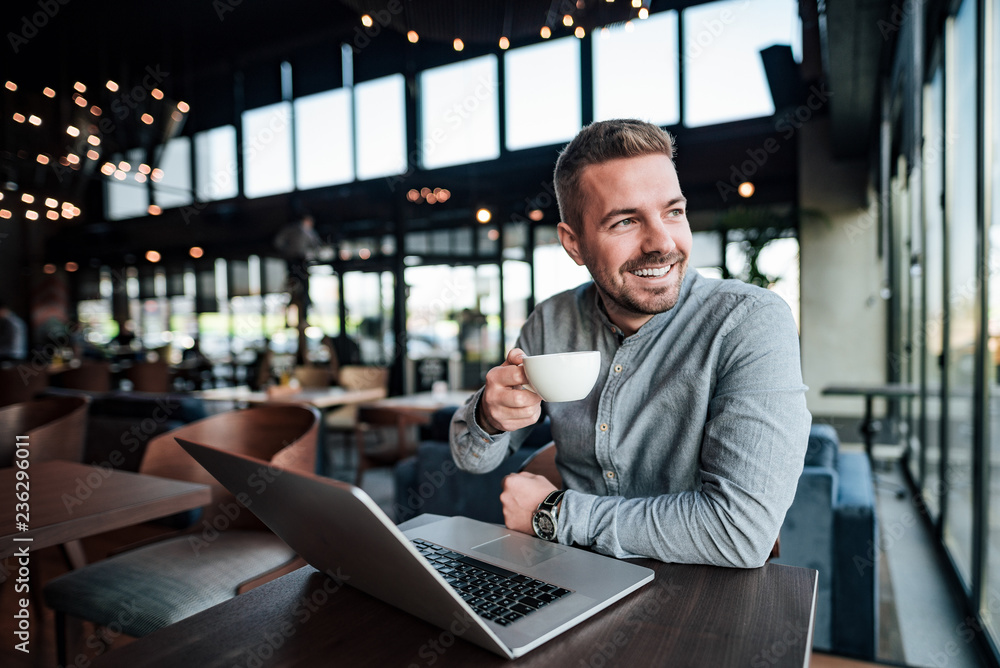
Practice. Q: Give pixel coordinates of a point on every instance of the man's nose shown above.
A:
(657, 239)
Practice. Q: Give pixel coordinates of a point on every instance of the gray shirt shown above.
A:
(690, 446)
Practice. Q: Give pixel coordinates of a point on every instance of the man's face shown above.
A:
(634, 236)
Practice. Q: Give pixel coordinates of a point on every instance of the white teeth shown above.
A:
(662, 271)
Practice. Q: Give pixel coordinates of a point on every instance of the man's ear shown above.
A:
(570, 242)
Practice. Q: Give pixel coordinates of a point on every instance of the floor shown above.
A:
(921, 622)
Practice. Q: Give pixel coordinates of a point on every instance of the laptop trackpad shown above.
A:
(520, 550)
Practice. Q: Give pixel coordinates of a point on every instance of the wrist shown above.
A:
(484, 422)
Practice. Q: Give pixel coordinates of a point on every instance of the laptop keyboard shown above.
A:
(494, 593)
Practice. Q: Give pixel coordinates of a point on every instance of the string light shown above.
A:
(35, 120)
(81, 101)
(79, 87)
(545, 32)
(49, 269)
(147, 119)
(95, 110)
(484, 215)
(643, 13)
(112, 86)
(183, 107)
(504, 43)
(152, 255)
(93, 155)
(94, 140)
(366, 20)
(73, 131)
(72, 266)
(48, 92)
(156, 93)
(196, 252)
(11, 86)
(19, 118)
(52, 215)
(31, 215)
(154, 210)
(42, 159)
(5, 214)
(28, 198)
(51, 202)
(746, 189)
(413, 36)
(458, 44)
(637, 3)
(580, 32)
(567, 20)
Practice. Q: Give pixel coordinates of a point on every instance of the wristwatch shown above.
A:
(544, 519)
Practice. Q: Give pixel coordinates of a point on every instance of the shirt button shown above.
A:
(610, 474)
(604, 426)
(618, 368)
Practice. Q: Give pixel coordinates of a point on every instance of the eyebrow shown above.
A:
(615, 213)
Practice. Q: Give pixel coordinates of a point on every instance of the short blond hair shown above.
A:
(597, 143)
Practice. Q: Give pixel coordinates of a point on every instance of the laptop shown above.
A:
(500, 589)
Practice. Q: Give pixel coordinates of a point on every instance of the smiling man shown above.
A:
(690, 446)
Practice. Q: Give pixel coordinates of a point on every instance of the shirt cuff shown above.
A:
(572, 526)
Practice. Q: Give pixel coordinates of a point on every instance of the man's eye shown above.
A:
(676, 212)
(625, 222)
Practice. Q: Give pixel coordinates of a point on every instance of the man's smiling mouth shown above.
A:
(654, 272)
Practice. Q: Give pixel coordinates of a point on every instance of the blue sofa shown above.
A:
(832, 526)
(430, 482)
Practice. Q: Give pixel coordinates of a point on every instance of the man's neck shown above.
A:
(628, 322)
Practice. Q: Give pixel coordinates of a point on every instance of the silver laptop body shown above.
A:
(338, 529)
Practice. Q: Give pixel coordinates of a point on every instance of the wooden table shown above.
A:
(69, 501)
(406, 411)
(320, 398)
(688, 616)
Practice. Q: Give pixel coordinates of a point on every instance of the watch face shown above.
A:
(543, 525)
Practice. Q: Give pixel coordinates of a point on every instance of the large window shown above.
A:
(267, 150)
(324, 141)
(125, 196)
(459, 113)
(380, 113)
(724, 77)
(960, 197)
(636, 70)
(542, 93)
(215, 164)
(174, 187)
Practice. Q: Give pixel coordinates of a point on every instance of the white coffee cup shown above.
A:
(562, 376)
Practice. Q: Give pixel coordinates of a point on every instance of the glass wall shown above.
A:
(960, 209)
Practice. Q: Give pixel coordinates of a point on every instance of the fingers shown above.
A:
(504, 405)
(514, 357)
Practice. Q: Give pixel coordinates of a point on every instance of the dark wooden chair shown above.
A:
(225, 552)
(90, 376)
(150, 376)
(56, 428)
(21, 383)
